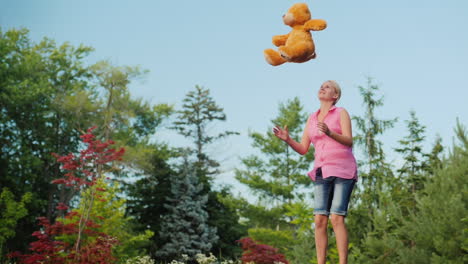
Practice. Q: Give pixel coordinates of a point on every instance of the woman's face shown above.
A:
(327, 92)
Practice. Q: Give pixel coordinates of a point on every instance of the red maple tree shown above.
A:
(90, 244)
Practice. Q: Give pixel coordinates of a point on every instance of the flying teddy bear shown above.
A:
(298, 45)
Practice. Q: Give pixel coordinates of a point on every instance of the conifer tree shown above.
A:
(198, 115)
(375, 175)
(369, 127)
(185, 228)
(148, 193)
(413, 155)
(277, 178)
(438, 227)
(198, 111)
(434, 159)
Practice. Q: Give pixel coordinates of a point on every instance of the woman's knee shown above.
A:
(321, 221)
(337, 220)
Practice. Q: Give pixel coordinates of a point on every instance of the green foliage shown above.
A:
(108, 211)
(434, 159)
(10, 212)
(437, 226)
(277, 176)
(147, 195)
(226, 220)
(376, 177)
(48, 96)
(198, 111)
(411, 149)
(369, 127)
(128, 121)
(280, 239)
(185, 228)
(34, 79)
(302, 216)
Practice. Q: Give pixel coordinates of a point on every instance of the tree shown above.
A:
(435, 231)
(198, 111)
(434, 159)
(278, 175)
(370, 198)
(34, 77)
(147, 195)
(86, 243)
(128, 121)
(368, 130)
(185, 228)
(413, 155)
(277, 178)
(48, 96)
(438, 225)
(108, 211)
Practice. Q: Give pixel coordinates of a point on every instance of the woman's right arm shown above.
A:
(301, 147)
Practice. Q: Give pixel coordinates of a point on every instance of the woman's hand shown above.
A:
(322, 127)
(282, 134)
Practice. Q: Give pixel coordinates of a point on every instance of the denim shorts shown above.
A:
(331, 195)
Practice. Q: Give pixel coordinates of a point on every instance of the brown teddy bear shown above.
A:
(297, 45)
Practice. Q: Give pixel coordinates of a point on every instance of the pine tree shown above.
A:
(185, 228)
(413, 155)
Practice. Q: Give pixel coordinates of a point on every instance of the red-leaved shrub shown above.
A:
(260, 253)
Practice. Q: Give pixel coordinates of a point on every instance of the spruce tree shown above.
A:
(198, 114)
(369, 127)
(370, 197)
(413, 155)
(185, 228)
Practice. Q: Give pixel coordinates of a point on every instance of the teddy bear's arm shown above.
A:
(280, 40)
(315, 24)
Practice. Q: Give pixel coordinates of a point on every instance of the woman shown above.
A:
(335, 169)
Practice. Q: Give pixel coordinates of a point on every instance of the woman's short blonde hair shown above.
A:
(337, 90)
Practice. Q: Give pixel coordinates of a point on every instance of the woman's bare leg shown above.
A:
(341, 234)
(321, 238)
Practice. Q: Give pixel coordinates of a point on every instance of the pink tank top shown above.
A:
(334, 158)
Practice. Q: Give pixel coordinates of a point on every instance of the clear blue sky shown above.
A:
(417, 52)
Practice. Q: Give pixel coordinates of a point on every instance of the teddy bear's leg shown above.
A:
(273, 57)
(299, 51)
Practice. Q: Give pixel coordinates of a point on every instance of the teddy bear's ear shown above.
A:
(315, 24)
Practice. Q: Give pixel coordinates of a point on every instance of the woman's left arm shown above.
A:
(346, 138)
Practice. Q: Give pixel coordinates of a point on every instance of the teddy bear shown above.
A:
(298, 45)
